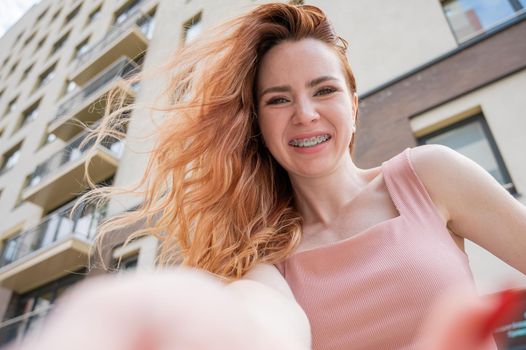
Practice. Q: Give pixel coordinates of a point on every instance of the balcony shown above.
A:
(59, 244)
(60, 178)
(128, 38)
(12, 331)
(88, 104)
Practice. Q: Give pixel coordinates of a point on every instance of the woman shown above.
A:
(252, 168)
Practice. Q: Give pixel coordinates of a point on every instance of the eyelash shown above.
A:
(329, 89)
(325, 90)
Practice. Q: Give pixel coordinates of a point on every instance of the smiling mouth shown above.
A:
(310, 142)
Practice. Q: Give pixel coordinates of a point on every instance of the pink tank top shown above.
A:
(373, 290)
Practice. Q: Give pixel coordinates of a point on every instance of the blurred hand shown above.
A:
(168, 310)
(462, 320)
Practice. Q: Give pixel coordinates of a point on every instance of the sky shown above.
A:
(11, 11)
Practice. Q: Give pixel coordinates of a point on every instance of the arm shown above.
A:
(266, 296)
(172, 309)
(476, 206)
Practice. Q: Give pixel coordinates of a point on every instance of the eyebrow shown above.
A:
(286, 88)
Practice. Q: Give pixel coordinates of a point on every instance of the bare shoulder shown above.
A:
(429, 154)
(445, 171)
(432, 163)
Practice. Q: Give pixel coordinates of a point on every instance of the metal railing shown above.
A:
(12, 331)
(136, 18)
(122, 68)
(71, 152)
(53, 228)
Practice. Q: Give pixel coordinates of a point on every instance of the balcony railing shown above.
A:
(12, 331)
(123, 68)
(73, 151)
(55, 227)
(135, 19)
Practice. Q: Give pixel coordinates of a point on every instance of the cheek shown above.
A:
(269, 130)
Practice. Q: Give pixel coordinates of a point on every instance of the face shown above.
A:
(306, 110)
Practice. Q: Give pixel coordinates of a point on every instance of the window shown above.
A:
(29, 115)
(11, 106)
(46, 76)
(19, 36)
(29, 39)
(13, 68)
(59, 43)
(10, 158)
(129, 9)
(72, 14)
(42, 14)
(81, 48)
(36, 304)
(94, 15)
(9, 249)
(472, 138)
(192, 28)
(50, 137)
(69, 87)
(26, 73)
(128, 263)
(468, 18)
(40, 43)
(55, 15)
(146, 24)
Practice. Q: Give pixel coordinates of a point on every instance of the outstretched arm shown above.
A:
(174, 309)
(475, 205)
(266, 296)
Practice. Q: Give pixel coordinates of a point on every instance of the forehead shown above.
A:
(299, 61)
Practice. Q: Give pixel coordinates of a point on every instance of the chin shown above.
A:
(312, 171)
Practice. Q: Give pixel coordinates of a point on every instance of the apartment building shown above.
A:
(428, 71)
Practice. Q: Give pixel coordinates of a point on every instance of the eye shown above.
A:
(276, 100)
(325, 91)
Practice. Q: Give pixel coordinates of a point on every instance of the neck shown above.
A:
(320, 199)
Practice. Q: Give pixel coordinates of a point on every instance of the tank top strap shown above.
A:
(407, 190)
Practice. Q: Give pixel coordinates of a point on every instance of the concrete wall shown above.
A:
(384, 41)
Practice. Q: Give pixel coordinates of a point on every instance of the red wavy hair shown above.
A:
(212, 193)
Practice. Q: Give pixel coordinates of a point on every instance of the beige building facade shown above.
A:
(428, 71)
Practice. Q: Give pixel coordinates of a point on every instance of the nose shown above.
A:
(305, 111)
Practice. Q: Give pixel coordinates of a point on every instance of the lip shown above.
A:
(309, 135)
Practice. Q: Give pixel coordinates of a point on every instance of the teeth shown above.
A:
(309, 142)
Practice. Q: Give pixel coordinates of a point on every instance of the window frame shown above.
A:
(41, 15)
(478, 117)
(496, 24)
(11, 106)
(187, 25)
(23, 121)
(14, 237)
(43, 78)
(7, 155)
(72, 14)
(94, 14)
(59, 43)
